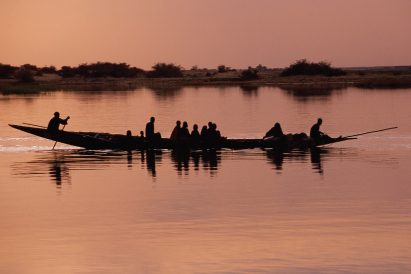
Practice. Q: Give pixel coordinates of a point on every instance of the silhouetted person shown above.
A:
(195, 136)
(210, 127)
(150, 135)
(211, 132)
(175, 134)
(217, 134)
(184, 133)
(55, 122)
(203, 134)
(141, 135)
(129, 141)
(315, 132)
(275, 131)
(320, 137)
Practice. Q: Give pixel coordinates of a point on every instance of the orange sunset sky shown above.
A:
(206, 33)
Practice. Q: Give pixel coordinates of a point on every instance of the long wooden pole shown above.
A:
(34, 125)
(68, 117)
(369, 132)
(56, 141)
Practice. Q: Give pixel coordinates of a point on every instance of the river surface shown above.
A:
(344, 209)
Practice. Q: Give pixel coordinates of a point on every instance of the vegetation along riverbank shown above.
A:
(109, 76)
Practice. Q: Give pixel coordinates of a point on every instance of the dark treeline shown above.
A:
(303, 67)
(26, 72)
(7, 71)
(163, 70)
(97, 70)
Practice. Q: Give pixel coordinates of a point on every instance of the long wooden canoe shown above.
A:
(98, 140)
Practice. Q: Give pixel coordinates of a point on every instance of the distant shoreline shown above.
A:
(368, 78)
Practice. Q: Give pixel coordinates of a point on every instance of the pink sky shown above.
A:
(206, 33)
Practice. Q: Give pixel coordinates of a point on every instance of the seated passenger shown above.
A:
(129, 140)
(320, 138)
(275, 131)
(175, 134)
(184, 133)
(204, 134)
(210, 131)
(128, 135)
(195, 136)
(150, 135)
(217, 134)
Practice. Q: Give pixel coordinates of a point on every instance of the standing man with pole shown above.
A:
(55, 122)
(53, 126)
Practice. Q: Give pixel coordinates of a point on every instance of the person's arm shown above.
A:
(64, 122)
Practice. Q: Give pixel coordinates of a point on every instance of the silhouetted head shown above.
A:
(56, 114)
(178, 123)
(320, 121)
(128, 133)
(215, 126)
(195, 127)
(142, 133)
(210, 124)
(277, 125)
(185, 124)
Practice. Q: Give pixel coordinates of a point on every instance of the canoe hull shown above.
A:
(97, 141)
(71, 138)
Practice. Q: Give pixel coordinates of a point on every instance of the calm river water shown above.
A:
(346, 209)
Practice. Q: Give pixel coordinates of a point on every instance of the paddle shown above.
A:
(369, 132)
(68, 117)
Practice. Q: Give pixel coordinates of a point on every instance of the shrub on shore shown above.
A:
(223, 68)
(303, 67)
(7, 71)
(163, 70)
(67, 71)
(24, 75)
(51, 69)
(249, 74)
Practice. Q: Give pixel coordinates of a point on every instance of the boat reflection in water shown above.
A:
(316, 159)
(59, 171)
(54, 163)
(150, 157)
(58, 163)
(315, 155)
(182, 159)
